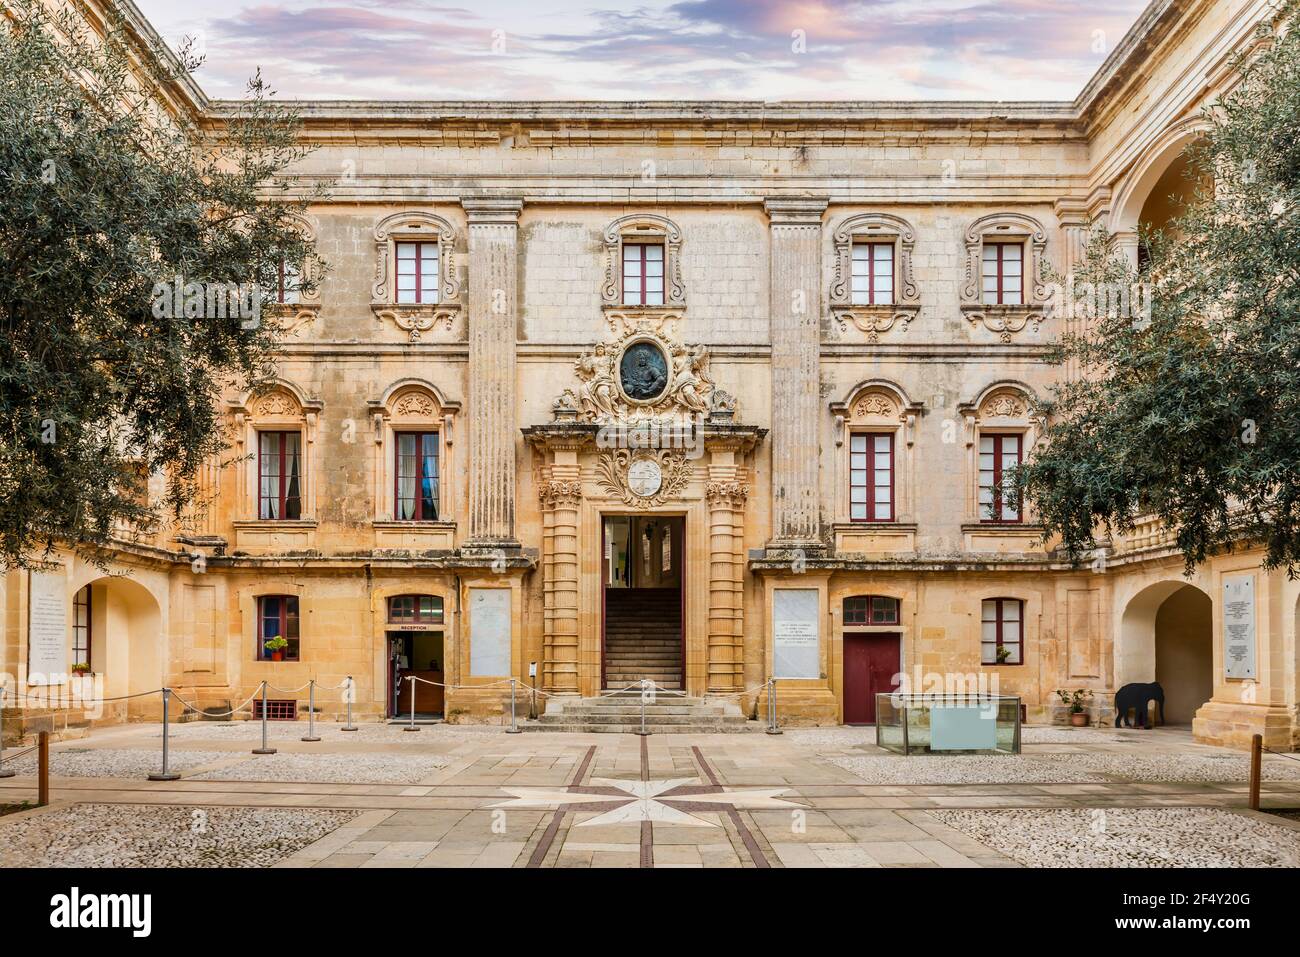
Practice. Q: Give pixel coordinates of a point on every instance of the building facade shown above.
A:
(747, 372)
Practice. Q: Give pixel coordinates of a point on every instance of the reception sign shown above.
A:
(1239, 626)
(796, 636)
(47, 627)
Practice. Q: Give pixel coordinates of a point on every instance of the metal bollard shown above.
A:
(411, 726)
(643, 732)
(514, 725)
(3, 772)
(349, 695)
(771, 707)
(265, 748)
(311, 711)
(165, 774)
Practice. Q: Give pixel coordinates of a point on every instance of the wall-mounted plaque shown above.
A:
(489, 632)
(1239, 626)
(796, 633)
(47, 627)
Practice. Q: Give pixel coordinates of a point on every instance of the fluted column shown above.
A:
(492, 309)
(561, 501)
(795, 276)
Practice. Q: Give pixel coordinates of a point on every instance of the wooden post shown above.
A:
(43, 768)
(1256, 758)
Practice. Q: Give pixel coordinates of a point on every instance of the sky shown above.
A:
(685, 49)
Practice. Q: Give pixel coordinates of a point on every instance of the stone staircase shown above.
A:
(621, 712)
(643, 637)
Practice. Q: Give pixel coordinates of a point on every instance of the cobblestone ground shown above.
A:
(476, 797)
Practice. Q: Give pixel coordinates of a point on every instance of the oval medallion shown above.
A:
(645, 477)
(643, 371)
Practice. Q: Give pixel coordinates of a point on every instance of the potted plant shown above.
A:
(276, 647)
(81, 669)
(1077, 702)
(1003, 654)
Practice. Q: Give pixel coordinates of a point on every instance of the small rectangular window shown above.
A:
(1002, 631)
(417, 476)
(81, 627)
(279, 494)
(417, 272)
(871, 477)
(1002, 274)
(277, 617)
(870, 610)
(873, 274)
(643, 274)
(290, 281)
(999, 454)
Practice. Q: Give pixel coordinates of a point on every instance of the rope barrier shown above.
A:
(12, 755)
(1283, 754)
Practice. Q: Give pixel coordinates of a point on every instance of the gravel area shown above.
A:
(1156, 768)
(118, 835)
(1142, 837)
(830, 739)
(1044, 734)
(329, 768)
(960, 769)
(116, 762)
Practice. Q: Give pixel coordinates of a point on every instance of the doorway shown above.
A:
(642, 575)
(871, 667)
(415, 649)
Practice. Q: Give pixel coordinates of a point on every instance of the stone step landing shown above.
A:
(667, 714)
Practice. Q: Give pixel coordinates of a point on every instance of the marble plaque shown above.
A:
(489, 632)
(1239, 626)
(796, 633)
(47, 627)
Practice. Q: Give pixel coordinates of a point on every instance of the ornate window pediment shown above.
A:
(295, 303)
(875, 314)
(1015, 231)
(643, 230)
(440, 312)
(876, 403)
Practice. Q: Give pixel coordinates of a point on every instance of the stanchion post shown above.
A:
(265, 748)
(349, 694)
(43, 769)
(166, 774)
(311, 711)
(411, 726)
(643, 731)
(1256, 768)
(772, 727)
(514, 724)
(3, 772)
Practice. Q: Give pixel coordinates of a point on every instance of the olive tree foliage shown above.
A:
(1187, 408)
(111, 195)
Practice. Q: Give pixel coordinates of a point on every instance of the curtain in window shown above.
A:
(407, 475)
(429, 478)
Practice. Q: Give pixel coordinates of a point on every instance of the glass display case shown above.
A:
(948, 724)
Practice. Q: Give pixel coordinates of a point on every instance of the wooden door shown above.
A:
(871, 662)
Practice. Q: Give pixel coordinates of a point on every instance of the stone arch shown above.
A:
(1166, 635)
(127, 641)
(1137, 186)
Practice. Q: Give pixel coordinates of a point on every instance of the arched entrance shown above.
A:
(1166, 636)
(1157, 191)
(117, 630)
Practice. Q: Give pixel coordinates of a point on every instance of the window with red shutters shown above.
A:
(871, 477)
(1003, 274)
(279, 488)
(1002, 631)
(873, 274)
(998, 455)
(277, 617)
(643, 274)
(417, 272)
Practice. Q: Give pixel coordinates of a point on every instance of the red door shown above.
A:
(871, 663)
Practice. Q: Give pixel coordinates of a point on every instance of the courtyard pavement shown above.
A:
(449, 796)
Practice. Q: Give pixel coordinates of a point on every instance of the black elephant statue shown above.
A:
(1139, 696)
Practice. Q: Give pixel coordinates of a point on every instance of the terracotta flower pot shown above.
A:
(1079, 719)
(277, 656)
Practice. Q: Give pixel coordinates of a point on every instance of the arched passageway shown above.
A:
(1166, 636)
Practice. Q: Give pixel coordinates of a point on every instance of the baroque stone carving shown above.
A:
(415, 405)
(1006, 320)
(615, 382)
(726, 494)
(558, 494)
(874, 404)
(417, 319)
(276, 403)
(612, 473)
(1003, 405)
(875, 320)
